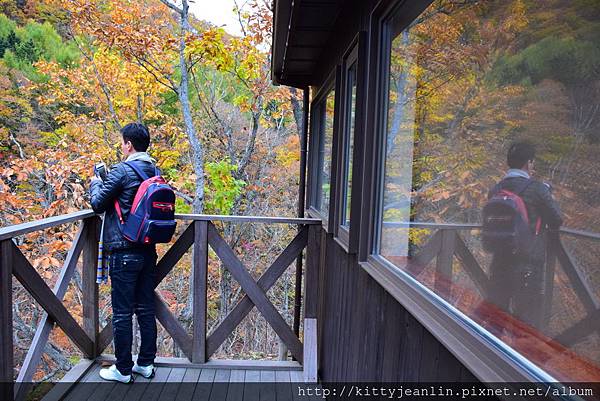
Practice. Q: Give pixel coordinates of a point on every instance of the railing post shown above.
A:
(551, 242)
(443, 264)
(200, 274)
(88, 277)
(6, 320)
(311, 298)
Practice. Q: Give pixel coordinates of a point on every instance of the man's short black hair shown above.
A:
(519, 154)
(138, 135)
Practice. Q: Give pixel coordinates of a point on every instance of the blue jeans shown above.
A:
(132, 275)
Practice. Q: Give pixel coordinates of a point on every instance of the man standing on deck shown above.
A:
(516, 281)
(132, 266)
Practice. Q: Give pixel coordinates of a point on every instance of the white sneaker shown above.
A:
(146, 371)
(113, 374)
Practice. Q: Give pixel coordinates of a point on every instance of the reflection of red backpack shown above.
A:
(506, 223)
(152, 216)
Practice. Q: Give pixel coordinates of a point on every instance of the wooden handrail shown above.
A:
(37, 225)
(248, 219)
(476, 226)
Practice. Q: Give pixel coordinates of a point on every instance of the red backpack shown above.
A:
(506, 223)
(152, 216)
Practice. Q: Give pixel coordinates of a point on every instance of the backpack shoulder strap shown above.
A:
(138, 170)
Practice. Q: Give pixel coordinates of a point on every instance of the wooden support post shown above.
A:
(89, 287)
(200, 276)
(552, 240)
(443, 265)
(311, 301)
(6, 319)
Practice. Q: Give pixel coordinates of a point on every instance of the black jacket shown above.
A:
(121, 183)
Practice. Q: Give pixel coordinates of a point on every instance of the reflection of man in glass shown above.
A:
(516, 282)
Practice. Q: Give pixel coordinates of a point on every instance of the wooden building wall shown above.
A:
(364, 333)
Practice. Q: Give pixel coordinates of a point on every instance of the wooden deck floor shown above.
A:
(247, 380)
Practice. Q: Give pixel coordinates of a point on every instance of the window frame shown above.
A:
(488, 358)
(354, 57)
(315, 140)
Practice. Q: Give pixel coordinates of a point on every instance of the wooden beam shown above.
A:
(577, 332)
(89, 287)
(105, 337)
(266, 308)
(40, 291)
(265, 282)
(427, 253)
(443, 265)
(174, 254)
(37, 225)
(45, 325)
(173, 327)
(311, 273)
(199, 287)
(472, 267)
(582, 288)
(6, 318)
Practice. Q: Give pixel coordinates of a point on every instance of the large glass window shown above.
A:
(461, 84)
(324, 131)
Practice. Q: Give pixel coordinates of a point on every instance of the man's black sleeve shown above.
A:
(103, 194)
(551, 214)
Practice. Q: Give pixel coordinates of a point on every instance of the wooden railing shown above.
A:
(446, 243)
(199, 233)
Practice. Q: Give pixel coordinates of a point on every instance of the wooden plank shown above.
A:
(154, 388)
(171, 387)
(37, 225)
(200, 276)
(265, 282)
(471, 266)
(311, 274)
(582, 288)
(235, 391)
(70, 380)
(36, 286)
(252, 386)
(237, 270)
(283, 386)
(220, 385)
(310, 350)
(443, 265)
(426, 254)
(173, 327)
(174, 254)
(267, 385)
(248, 219)
(204, 385)
(188, 384)
(6, 318)
(45, 325)
(89, 288)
